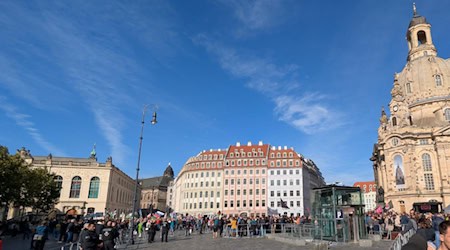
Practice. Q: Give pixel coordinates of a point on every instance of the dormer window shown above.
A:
(438, 80)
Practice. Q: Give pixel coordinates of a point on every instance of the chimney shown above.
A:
(238, 144)
(279, 147)
(285, 147)
(260, 143)
(249, 143)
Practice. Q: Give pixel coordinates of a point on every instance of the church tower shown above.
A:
(411, 159)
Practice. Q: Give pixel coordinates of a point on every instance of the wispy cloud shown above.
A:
(83, 50)
(257, 15)
(24, 120)
(307, 112)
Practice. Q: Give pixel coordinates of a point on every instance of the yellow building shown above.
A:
(87, 186)
(411, 160)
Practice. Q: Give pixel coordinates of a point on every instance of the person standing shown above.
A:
(436, 220)
(108, 236)
(164, 230)
(151, 230)
(41, 236)
(444, 235)
(90, 239)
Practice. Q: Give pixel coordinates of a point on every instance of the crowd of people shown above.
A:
(429, 228)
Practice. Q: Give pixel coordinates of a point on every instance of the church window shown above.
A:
(447, 114)
(438, 80)
(408, 88)
(423, 141)
(394, 142)
(426, 162)
(410, 120)
(394, 121)
(421, 37)
(429, 182)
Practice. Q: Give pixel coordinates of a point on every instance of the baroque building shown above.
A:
(154, 190)
(245, 179)
(411, 160)
(87, 186)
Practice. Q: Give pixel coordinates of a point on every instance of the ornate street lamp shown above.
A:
(153, 122)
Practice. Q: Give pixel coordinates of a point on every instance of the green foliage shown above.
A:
(24, 185)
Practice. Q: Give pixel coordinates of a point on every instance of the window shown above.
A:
(226, 192)
(272, 193)
(394, 121)
(298, 192)
(75, 187)
(426, 162)
(278, 193)
(263, 203)
(408, 88)
(59, 181)
(94, 187)
(238, 192)
(421, 37)
(250, 203)
(429, 182)
(250, 191)
(272, 204)
(200, 194)
(291, 193)
(297, 182)
(218, 194)
(238, 203)
(231, 204)
(447, 114)
(272, 182)
(438, 80)
(278, 182)
(225, 203)
(226, 181)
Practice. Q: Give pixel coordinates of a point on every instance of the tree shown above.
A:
(12, 172)
(23, 185)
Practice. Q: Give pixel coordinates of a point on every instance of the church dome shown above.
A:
(425, 78)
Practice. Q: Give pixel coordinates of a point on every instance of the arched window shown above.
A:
(408, 88)
(447, 114)
(394, 121)
(426, 162)
(421, 37)
(438, 80)
(75, 187)
(58, 182)
(94, 186)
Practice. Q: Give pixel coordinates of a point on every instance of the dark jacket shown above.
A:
(90, 240)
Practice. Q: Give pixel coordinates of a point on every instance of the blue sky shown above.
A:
(312, 75)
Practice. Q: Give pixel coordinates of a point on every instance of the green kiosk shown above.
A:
(338, 213)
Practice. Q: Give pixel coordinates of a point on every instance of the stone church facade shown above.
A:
(411, 160)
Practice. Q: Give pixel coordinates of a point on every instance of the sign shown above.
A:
(339, 214)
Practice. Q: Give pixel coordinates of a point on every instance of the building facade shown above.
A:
(87, 186)
(369, 191)
(411, 159)
(154, 190)
(243, 179)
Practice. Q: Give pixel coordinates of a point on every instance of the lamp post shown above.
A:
(153, 122)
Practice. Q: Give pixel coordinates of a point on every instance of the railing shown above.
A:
(71, 246)
(402, 239)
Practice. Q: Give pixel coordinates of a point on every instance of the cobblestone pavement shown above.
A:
(205, 241)
(199, 242)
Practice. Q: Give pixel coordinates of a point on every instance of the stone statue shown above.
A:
(380, 195)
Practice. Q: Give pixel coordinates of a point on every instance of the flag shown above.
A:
(272, 211)
(284, 204)
(391, 206)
